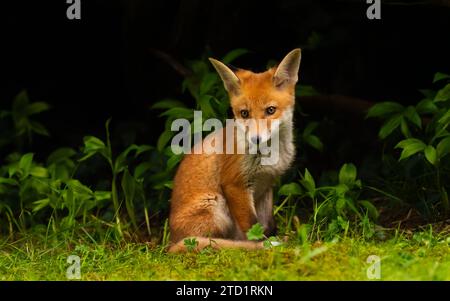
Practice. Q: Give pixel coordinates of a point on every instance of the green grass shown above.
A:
(422, 256)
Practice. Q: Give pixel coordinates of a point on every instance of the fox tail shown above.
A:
(215, 243)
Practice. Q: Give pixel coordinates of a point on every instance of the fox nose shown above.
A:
(256, 139)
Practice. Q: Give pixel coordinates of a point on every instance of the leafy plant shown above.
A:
(28, 188)
(22, 118)
(132, 187)
(256, 232)
(334, 207)
(309, 138)
(425, 131)
(190, 244)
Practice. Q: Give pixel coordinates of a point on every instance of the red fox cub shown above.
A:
(217, 197)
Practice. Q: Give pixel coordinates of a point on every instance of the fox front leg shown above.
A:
(241, 205)
(264, 212)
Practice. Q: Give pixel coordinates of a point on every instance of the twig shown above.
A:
(177, 66)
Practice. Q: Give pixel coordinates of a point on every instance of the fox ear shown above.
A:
(230, 80)
(287, 70)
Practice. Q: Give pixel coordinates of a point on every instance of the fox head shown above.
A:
(259, 99)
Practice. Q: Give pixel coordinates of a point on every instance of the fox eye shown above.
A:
(244, 113)
(270, 110)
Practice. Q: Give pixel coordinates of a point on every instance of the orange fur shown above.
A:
(215, 197)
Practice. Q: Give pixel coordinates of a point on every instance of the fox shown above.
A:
(217, 198)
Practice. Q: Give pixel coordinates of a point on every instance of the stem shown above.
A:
(438, 177)
(115, 199)
(115, 196)
(147, 221)
(442, 191)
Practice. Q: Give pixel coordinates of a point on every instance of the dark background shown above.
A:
(103, 66)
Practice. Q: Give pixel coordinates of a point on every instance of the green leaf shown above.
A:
(443, 147)
(390, 126)
(25, 164)
(129, 190)
(234, 54)
(60, 155)
(168, 184)
(87, 156)
(179, 113)
(428, 93)
(79, 188)
(121, 160)
(410, 147)
(256, 232)
(141, 169)
(310, 139)
(173, 161)
(93, 144)
(41, 204)
(443, 94)
(340, 205)
(411, 114)
(20, 102)
(199, 67)
(168, 104)
(314, 141)
(405, 129)
(13, 169)
(204, 102)
(341, 189)
(39, 172)
(190, 243)
(208, 82)
(308, 182)
(371, 209)
(351, 204)
(102, 195)
(445, 118)
(4, 114)
(310, 127)
(347, 174)
(430, 154)
(441, 133)
(142, 149)
(128, 185)
(165, 137)
(383, 109)
(38, 128)
(8, 181)
(305, 90)
(290, 189)
(426, 106)
(440, 76)
(36, 107)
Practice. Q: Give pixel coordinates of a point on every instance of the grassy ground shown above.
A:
(422, 256)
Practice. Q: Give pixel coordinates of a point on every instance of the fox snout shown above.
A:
(255, 139)
(259, 131)
(260, 136)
